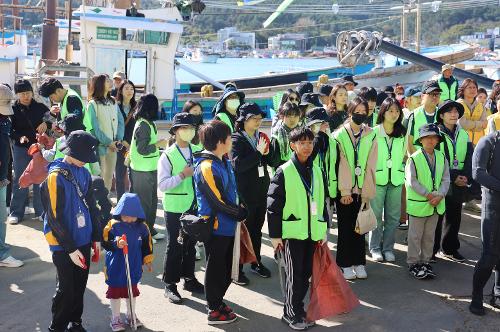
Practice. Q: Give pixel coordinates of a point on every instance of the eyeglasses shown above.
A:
(293, 99)
(434, 95)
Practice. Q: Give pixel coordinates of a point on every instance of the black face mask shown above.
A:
(359, 118)
(197, 120)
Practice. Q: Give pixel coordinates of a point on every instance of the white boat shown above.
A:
(204, 56)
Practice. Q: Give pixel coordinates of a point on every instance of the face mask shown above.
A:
(359, 118)
(197, 119)
(315, 128)
(186, 134)
(232, 105)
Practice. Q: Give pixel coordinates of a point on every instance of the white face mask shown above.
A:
(232, 105)
(186, 134)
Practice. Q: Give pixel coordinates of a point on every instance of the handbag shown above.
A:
(366, 221)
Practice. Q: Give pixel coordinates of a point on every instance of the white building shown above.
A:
(230, 37)
(287, 41)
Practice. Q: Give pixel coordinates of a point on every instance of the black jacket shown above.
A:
(276, 196)
(246, 161)
(486, 164)
(25, 121)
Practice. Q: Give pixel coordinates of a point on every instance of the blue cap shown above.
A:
(413, 92)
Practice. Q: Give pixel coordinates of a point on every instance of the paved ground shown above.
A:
(391, 300)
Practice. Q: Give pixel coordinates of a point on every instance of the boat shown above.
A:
(203, 56)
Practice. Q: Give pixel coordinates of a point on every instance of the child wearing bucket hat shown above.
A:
(70, 227)
(175, 180)
(458, 150)
(427, 179)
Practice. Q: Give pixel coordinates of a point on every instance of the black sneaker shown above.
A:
(242, 280)
(172, 294)
(194, 286)
(477, 308)
(456, 256)
(296, 323)
(417, 272)
(428, 270)
(261, 270)
(219, 317)
(75, 327)
(403, 226)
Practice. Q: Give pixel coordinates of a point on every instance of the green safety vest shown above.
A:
(179, 199)
(458, 152)
(139, 162)
(374, 119)
(285, 154)
(447, 92)
(225, 118)
(327, 164)
(342, 136)
(417, 205)
(297, 220)
(419, 119)
(64, 109)
(390, 161)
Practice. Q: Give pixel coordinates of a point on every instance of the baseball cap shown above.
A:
(413, 92)
(446, 67)
(119, 74)
(430, 87)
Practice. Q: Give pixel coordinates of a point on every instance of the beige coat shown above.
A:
(344, 174)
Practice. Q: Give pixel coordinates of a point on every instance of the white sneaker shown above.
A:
(348, 273)
(11, 262)
(377, 256)
(389, 256)
(472, 206)
(13, 220)
(153, 240)
(198, 253)
(158, 236)
(39, 218)
(360, 272)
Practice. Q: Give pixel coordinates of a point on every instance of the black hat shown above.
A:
(305, 87)
(310, 98)
(70, 123)
(446, 106)
(430, 87)
(22, 85)
(413, 92)
(49, 86)
(81, 146)
(381, 96)
(317, 114)
(180, 120)
(325, 90)
(368, 94)
(429, 129)
(248, 110)
(349, 79)
(388, 88)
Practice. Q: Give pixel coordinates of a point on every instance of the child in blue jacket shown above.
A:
(128, 219)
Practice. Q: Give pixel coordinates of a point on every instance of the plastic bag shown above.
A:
(37, 170)
(247, 254)
(330, 292)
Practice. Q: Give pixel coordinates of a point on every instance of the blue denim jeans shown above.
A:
(20, 160)
(4, 248)
(387, 208)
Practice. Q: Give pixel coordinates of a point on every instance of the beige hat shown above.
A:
(6, 97)
(119, 74)
(446, 67)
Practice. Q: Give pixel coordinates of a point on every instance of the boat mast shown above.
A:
(50, 33)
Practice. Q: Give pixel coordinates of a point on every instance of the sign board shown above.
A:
(105, 33)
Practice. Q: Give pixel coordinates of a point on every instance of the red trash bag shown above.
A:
(330, 293)
(37, 170)
(247, 254)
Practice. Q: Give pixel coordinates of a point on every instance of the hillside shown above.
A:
(443, 27)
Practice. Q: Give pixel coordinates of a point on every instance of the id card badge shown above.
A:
(389, 163)
(357, 171)
(80, 218)
(261, 171)
(314, 208)
(455, 164)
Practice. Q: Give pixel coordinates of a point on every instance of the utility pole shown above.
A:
(69, 45)
(404, 27)
(418, 28)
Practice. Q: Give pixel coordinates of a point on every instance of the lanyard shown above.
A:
(356, 146)
(431, 167)
(389, 148)
(190, 161)
(249, 139)
(309, 189)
